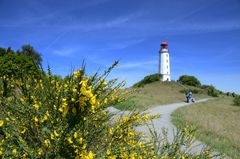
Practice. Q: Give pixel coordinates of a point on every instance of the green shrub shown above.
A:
(148, 79)
(212, 91)
(189, 80)
(236, 100)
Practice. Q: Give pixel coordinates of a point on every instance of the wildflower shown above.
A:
(40, 152)
(22, 101)
(36, 119)
(23, 131)
(112, 157)
(45, 117)
(90, 155)
(1, 123)
(60, 109)
(74, 90)
(77, 73)
(105, 101)
(156, 116)
(75, 135)
(14, 151)
(105, 83)
(80, 141)
(47, 142)
(110, 131)
(69, 140)
(52, 137)
(1, 151)
(36, 106)
(108, 152)
(55, 133)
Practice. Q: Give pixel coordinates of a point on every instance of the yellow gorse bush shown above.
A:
(50, 117)
(66, 118)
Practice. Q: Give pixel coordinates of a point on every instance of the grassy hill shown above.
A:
(216, 122)
(159, 93)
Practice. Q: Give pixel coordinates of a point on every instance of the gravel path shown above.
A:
(164, 121)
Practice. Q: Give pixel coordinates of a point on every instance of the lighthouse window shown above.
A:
(167, 61)
(166, 55)
(167, 66)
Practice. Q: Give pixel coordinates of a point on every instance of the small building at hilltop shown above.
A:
(164, 62)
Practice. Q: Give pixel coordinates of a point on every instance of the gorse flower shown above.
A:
(1, 123)
(50, 117)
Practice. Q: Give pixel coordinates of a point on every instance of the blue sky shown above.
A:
(203, 36)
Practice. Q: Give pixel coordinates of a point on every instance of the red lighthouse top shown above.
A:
(164, 43)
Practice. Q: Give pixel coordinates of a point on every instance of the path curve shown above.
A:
(164, 121)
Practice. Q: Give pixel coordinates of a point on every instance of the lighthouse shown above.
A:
(164, 62)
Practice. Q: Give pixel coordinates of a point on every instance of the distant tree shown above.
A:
(148, 79)
(189, 80)
(212, 91)
(2, 51)
(17, 66)
(28, 50)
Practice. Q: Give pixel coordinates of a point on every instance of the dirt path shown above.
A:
(164, 121)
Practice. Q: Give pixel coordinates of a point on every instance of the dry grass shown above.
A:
(158, 93)
(217, 122)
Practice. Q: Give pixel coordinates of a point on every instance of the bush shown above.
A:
(68, 119)
(236, 100)
(212, 91)
(50, 117)
(148, 79)
(189, 80)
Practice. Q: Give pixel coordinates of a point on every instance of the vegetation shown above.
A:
(216, 122)
(189, 80)
(212, 91)
(194, 91)
(158, 93)
(18, 65)
(147, 80)
(236, 100)
(47, 117)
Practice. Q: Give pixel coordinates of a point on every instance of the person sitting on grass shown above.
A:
(189, 97)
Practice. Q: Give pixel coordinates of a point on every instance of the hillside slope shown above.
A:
(158, 93)
(216, 122)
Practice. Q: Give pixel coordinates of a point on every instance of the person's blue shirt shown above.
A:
(189, 95)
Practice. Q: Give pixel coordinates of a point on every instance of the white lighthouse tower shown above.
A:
(164, 62)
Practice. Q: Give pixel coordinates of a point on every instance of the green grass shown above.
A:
(158, 93)
(217, 124)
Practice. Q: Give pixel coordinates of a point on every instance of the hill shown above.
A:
(157, 93)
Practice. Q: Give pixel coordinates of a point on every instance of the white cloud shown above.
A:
(66, 52)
